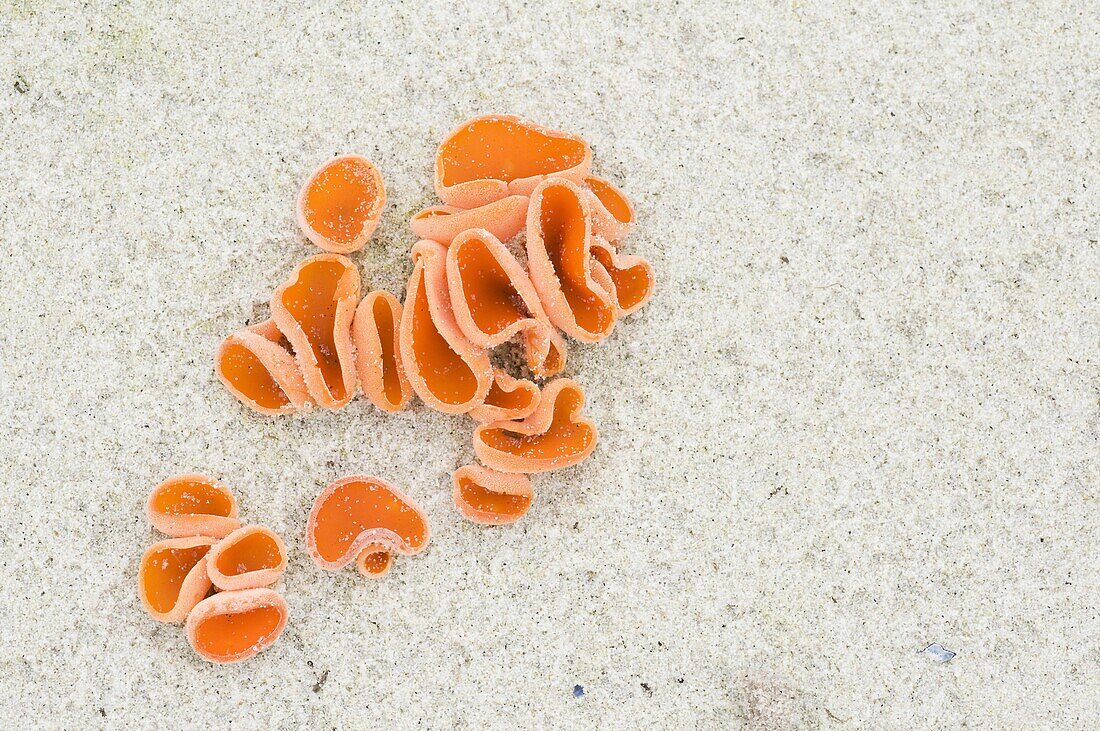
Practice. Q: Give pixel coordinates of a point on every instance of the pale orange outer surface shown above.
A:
(375, 334)
(553, 437)
(558, 240)
(509, 398)
(172, 577)
(612, 214)
(628, 278)
(260, 372)
(192, 505)
(340, 203)
(236, 625)
(362, 513)
(314, 310)
(447, 371)
(491, 498)
(503, 218)
(248, 558)
(493, 156)
(493, 300)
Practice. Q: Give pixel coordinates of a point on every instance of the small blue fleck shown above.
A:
(578, 691)
(938, 652)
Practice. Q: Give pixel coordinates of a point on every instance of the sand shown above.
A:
(860, 416)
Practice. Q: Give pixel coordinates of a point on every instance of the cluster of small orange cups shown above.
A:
(498, 176)
(213, 573)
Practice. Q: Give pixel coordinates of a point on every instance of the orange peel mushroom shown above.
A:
(612, 214)
(374, 561)
(491, 498)
(261, 372)
(314, 308)
(248, 558)
(448, 372)
(340, 203)
(553, 437)
(493, 156)
(375, 331)
(192, 505)
(508, 398)
(172, 577)
(628, 278)
(503, 218)
(235, 625)
(361, 514)
(493, 300)
(558, 240)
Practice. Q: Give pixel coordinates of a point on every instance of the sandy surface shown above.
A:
(859, 417)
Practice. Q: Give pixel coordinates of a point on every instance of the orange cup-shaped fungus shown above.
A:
(236, 625)
(628, 278)
(508, 398)
(493, 299)
(612, 214)
(314, 309)
(260, 371)
(192, 505)
(491, 498)
(247, 558)
(374, 331)
(363, 514)
(553, 437)
(494, 156)
(503, 218)
(558, 239)
(340, 204)
(172, 577)
(446, 370)
(374, 561)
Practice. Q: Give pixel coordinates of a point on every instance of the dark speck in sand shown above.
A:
(578, 691)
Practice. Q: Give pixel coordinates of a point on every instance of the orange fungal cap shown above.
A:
(628, 278)
(192, 505)
(235, 625)
(612, 214)
(260, 371)
(509, 398)
(248, 558)
(493, 300)
(361, 513)
(172, 577)
(314, 309)
(340, 204)
(375, 334)
(374, 561)
(558, 239)
(491, 498)
(447, 371)
(553, 437)
(503, 218)
(493, 156)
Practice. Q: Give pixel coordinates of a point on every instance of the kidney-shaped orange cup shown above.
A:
(236, 625)
(490, 157)
(491, 498)
(247, 558)
(172, 577)
(192, 505)
(314, 309)
(364, 514)
(553, 437)
(446, 370)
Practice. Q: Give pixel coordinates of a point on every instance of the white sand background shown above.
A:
(860, 415)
